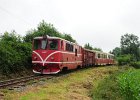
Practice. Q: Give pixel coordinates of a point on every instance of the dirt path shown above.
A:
(73, 86)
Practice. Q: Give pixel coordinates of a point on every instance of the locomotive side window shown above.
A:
(53, 44)
(75, 52)
(61, 44)
(69, 47)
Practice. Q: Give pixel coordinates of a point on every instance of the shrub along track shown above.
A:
(75, 85)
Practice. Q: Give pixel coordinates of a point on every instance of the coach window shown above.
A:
(53, 44)
(105, 56)
(109, 56)
(101, 55)
(98, 55)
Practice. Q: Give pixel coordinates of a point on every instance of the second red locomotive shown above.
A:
(52, 54)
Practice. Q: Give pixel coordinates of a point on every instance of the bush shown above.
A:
(15, 55)
(129, 84)
(124, 59)
(135, 64)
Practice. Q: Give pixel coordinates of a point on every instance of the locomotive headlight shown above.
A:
(52, 58)
(35, 58)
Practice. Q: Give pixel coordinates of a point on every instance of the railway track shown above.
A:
(11, 82)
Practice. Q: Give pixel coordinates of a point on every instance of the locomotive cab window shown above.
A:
(53, 44)
(36, 44)
(43, 44)
(40, 44)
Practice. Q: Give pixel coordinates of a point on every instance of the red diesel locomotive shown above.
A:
(52, 54)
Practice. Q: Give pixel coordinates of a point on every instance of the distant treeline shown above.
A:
(129, 50)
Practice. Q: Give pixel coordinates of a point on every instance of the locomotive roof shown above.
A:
(41, 37)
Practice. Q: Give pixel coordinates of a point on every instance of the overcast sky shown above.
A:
(98, 22)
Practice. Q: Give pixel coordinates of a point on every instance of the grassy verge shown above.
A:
(109, 88)
(73, 86)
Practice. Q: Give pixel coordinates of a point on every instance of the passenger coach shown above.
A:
(92, 57)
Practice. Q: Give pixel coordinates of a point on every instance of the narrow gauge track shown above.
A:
(10, 82)
(15, 81)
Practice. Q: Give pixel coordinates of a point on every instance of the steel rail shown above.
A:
(19, 80)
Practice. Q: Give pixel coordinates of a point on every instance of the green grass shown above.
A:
(129, 84)
(76, 85)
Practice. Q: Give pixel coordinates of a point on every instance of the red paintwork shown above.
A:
(52, 61)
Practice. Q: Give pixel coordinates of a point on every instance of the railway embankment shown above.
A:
(85, 84)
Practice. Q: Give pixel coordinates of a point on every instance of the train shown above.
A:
(52, 55)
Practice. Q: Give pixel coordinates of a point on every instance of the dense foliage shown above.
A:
(15, 55)
(116, 51)
(124, 59)
(129, 83)
(135, 64)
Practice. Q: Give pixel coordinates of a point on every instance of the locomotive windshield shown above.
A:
(40, 44)
(53, 44)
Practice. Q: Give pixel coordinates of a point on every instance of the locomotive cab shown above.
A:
(46, 55)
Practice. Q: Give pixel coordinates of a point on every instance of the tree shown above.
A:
(97, 49)
(130, 45)
(13, 37)
(116, 51)
(42, 29)
(88, 46)
(46, 29)
(69, 38)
